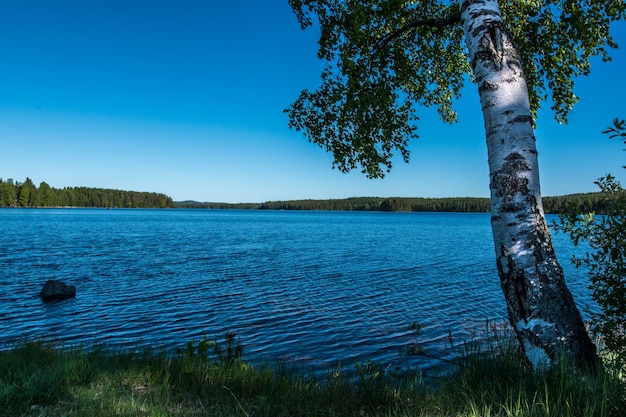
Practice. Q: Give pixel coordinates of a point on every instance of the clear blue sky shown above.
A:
(186, 98)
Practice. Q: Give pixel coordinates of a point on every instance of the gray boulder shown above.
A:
(56, 290)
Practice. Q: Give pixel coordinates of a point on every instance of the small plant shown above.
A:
(371, 376)
(229, 354)
(200, 350)
(414, 348)
(232, 352)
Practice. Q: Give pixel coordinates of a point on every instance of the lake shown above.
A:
(316, 289)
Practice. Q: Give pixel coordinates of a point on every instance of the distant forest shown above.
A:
(27, 194)
(579, 202)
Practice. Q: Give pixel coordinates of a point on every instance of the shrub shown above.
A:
(606, 262)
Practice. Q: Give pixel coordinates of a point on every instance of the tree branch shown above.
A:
(434, 22)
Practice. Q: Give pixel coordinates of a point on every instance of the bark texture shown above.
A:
(540, 307)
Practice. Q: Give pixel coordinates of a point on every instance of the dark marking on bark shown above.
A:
(467, 4)
(514, 156)
(487, 105)
(522, 290)
(514, 285)
(494, 129)
(514, 62)
(481, 56)
(521, 119)
(491, 48)
(493, 40)
(508, 183)
(542, 236)
(483, 12)
(496, 45)
(487, 86)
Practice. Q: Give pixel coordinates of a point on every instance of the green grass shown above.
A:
(206, 379)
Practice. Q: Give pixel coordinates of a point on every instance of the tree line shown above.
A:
(583, 203)
(27, 194)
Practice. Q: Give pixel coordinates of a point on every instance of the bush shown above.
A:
(606, 236)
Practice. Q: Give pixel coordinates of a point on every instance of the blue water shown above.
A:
(313, 288)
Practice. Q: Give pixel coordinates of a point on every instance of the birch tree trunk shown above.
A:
(540, 307)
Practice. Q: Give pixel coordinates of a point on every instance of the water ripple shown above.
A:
(312, 288)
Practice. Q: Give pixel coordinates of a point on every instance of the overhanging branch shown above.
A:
(435, 22)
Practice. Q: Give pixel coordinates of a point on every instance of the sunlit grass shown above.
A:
(489, 379)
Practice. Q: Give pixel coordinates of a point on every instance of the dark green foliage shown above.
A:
(215, 205)
(8, 193)
(606, 263)
(365, 108)
(590, 201)
(26, 194)
(598, 202)
(348, 204)
(414, 348)
(556, 40)
(229, 352)
(371, 377)
(386, 59)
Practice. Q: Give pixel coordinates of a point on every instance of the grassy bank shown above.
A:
(207, 379)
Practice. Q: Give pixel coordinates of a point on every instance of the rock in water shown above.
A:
(56, 290)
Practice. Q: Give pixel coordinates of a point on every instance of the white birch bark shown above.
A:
(540, 307)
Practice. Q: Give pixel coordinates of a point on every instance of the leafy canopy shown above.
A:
(384, 59)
